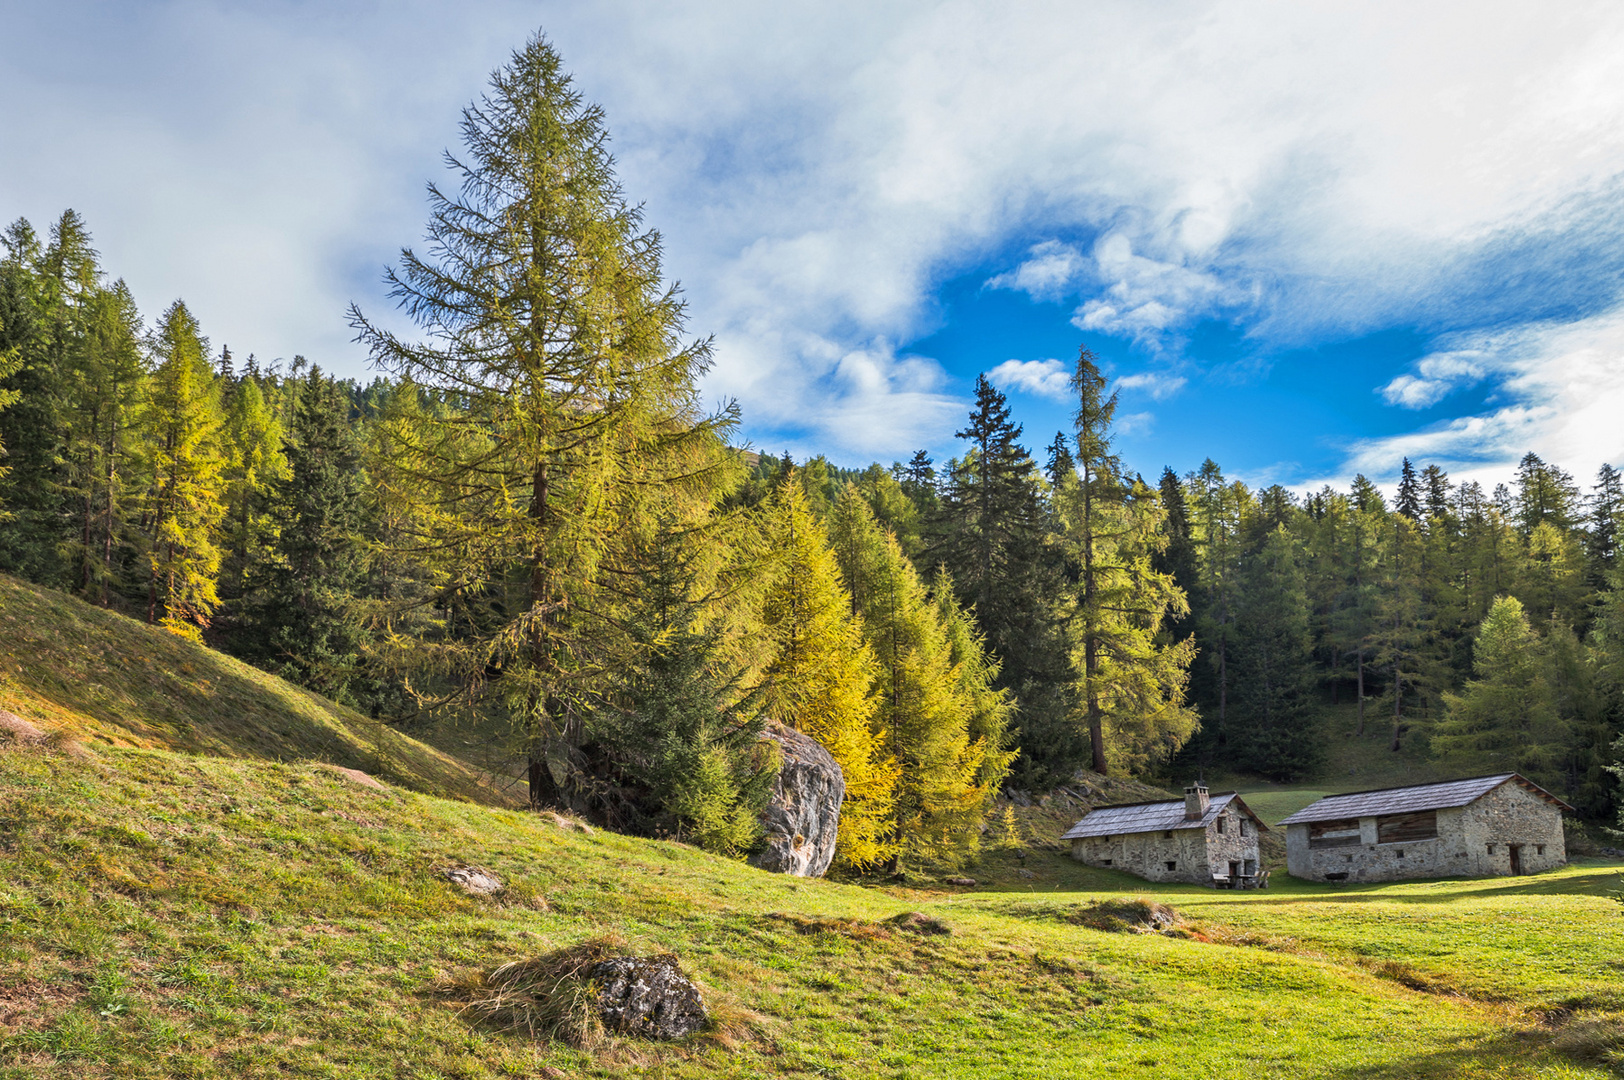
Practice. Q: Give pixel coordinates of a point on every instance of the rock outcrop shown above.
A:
(473, 880)
(804, 814)
(648, 996)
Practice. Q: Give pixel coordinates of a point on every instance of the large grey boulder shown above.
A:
(804, 813)
(648, 996)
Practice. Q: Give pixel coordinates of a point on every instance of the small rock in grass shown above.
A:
(473, 880)
(916, 922)
(1025, 874)
(963, 882)
(648, 997)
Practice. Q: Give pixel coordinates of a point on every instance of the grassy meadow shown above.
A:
(165, 915)
(195, 891)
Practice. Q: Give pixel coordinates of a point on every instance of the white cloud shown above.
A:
(1160, 387)
(1052, 271)
(1044, 378)
(1441, 374)
(1138, 423)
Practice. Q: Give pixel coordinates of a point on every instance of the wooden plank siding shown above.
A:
(1405, 828)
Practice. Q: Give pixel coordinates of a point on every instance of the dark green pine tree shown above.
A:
(993, 532)
(1436, 483)
(1545, 493)
(1273, 720)
(1179, 558)
(683, 738)
(1409, 492)
(304, 622)
(1059, 463)
(1606, 511)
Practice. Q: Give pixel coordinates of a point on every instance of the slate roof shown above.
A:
(1410, 800)
(1150, 817)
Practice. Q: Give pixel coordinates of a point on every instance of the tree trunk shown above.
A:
(1398, 704)
(1360, 673)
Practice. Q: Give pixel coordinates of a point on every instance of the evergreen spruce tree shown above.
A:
(1409, 492)
(1178, 559)
(182, 462)
(1435, 483)
(303, 620)
(104, 380)
(1545, 494)
(578, 423)
(1606, 514)
(1131, 683)
(31, 428)
(1275, 720)
(994, 540)
(819, 674)
(678, 726)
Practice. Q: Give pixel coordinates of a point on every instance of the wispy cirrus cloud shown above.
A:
(1562, 392)
(1156, 385)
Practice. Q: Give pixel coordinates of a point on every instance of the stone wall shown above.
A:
(1194, 852)
(1505, 816)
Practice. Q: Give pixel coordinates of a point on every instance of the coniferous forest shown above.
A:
(529, 519)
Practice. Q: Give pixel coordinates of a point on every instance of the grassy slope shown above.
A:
(112, 681)
(165, 915)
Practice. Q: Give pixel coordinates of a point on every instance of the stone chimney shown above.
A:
(1195, 802)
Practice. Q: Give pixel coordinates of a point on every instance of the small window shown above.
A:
(1539, 849)
(1491, 849)
(1349, 858)
(1220, 826)
(1336, 877)
(1243, 826)
(1105, 862)
(1171, 865)
(1167, 834)
(1401, 853)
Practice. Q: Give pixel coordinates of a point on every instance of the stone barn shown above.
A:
(1479, 827)
(1201, 841)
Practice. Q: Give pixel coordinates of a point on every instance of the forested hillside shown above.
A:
(528, 519)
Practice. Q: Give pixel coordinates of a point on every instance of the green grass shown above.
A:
(112, 681)
(165, 915)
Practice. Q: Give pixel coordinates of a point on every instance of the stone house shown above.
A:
(1202, 840)
(1478, 827)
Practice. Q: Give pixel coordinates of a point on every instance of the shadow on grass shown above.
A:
(1594, 1043)
(1598, 882)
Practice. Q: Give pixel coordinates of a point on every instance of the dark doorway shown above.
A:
(1516, 857)
(1234, 870)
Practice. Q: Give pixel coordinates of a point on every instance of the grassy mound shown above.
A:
(108, 680)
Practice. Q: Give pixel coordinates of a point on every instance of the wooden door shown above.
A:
(1516, 858)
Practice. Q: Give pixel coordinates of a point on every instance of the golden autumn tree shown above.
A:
(819, 674)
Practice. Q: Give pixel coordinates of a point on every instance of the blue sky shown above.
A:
(1306, 240)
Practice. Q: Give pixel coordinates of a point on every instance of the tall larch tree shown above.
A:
(545, 315)
(1131, 682)
(183, 461)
